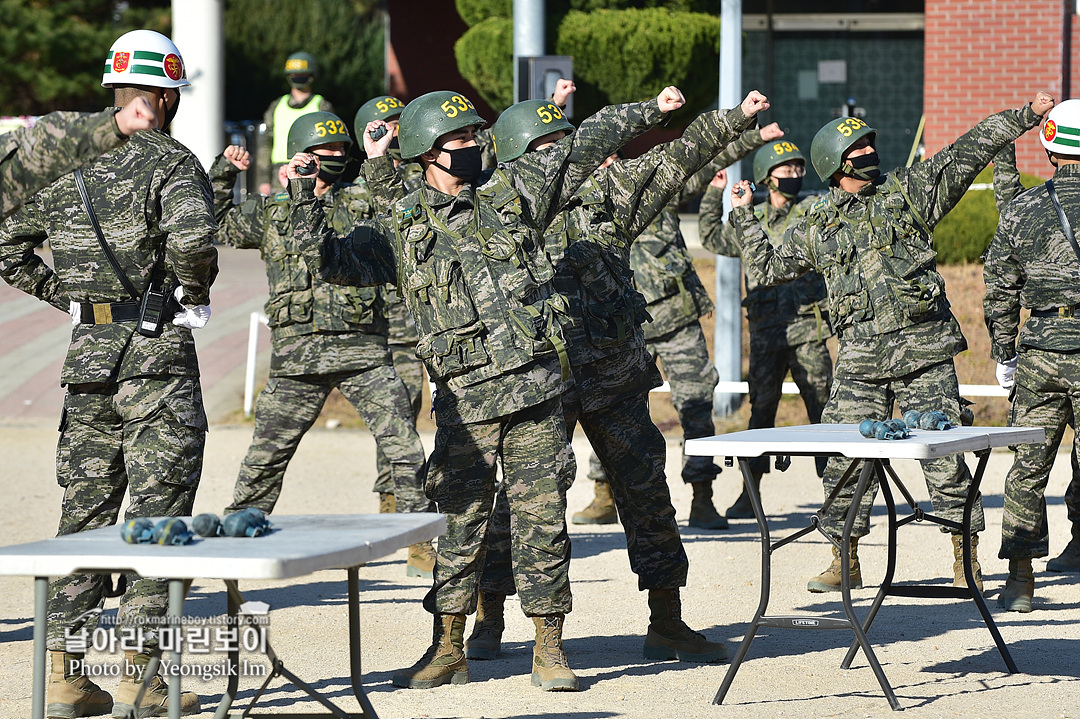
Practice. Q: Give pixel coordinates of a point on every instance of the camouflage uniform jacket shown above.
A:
(591, 239)
(402, 326)
(58, 143)
(1030, 263)
(472, 267)
(663, 268)
(785, 315)
(875, 249)
(151, 196)
(340, 328)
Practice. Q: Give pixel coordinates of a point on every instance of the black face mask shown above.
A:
(863, 167)
(465, 162)
(330, 168)
(787, 186)
(300, 81)
(170, 112)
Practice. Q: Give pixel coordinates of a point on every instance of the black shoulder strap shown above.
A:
(1061, 216)
(135, 294)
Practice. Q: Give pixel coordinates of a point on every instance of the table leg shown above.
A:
(766, 581)
(41, 612)
(869, 469)
(355, 673)
(233, 599)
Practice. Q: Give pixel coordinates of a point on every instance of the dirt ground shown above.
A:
(939, 657)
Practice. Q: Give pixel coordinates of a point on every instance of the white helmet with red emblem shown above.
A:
(144, 57)
(1061, 131)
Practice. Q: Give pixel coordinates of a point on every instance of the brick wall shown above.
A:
(983, 56)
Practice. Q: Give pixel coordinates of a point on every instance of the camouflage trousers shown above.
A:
(1047, 395)
(538, 467)
(693, 379)
(947, 478)
(633, 451)
(144, 436)
(411, 372)
(288, 406)
(811, 370)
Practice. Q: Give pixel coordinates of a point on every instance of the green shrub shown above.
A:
(964, 233)
(631, 55)
(485, 57)
(476, 11)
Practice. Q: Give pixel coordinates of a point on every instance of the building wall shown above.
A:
(982, 57)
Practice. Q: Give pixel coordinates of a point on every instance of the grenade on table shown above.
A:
(866, 428)
(898, 427)
(208, 525)
(250, 522)
(936, 420)
(171, 530)
(911, 418)
(137, 531)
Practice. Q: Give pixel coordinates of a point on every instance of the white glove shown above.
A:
(1006, 373)
(194, 318)
(75, 310)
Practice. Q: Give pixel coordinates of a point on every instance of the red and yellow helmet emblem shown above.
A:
(173, 67)
(1050, 130)
(120, 61)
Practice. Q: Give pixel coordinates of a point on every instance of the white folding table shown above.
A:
(298, 546)
(874, 457)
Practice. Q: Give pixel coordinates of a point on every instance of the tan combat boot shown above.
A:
(551, 672)
(601, 510)
(387, 503)
(829, 580)
(703, 514)
(444, 661)
(1019, 588)
(69, 693)
(669, 637)
(486, 637)
(421, 562)
(155, 702)
(743, 509)
(1069, 560)
(959, 580)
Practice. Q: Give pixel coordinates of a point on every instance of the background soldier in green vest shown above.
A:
(324, 336)
(1032, 263)
(300, 70)
(789, 322)
(468, 253)
(871, 238)
(402, 338)
(613, 371)
(664, 272)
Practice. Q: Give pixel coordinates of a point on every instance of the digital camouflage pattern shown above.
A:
(133, 416)
(886, 299)
(788, 322)
(1031, 264)
(590, 243)
(58, 143)
(478, 282)
(323, 336)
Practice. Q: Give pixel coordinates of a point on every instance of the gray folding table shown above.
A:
(874, 457)
(298, 546)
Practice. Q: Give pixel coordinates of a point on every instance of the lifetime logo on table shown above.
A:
(194, 636)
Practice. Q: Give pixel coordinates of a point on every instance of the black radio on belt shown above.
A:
(152, 312)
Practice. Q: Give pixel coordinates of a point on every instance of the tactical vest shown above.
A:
(664, 272)
(284, 116)
(300, 303)
(886, 278)
(593, 272)
(483, 301)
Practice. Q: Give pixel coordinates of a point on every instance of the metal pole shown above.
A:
(199, 33)
(528, 35)
(727, 347)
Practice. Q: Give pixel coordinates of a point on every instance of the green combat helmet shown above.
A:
(428, 117)
(301, 63)
(772, 155)
(317, 128)
(384, 107)
(522, 123)
(832, 140)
